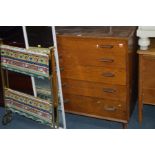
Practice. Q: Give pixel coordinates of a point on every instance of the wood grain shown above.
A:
(97, 107)
(93, 89)
(76, 51)
(94, 74)
(98, 72)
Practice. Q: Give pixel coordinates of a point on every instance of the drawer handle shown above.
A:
(104, 46)
(66, 101)
(108, 74)
(64, 84)
(106, 60)
(109, 90)
(60, 56)
(109, 108)
(61, 69)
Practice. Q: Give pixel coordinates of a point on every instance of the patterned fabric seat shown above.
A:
(29, 106)
(33, 61)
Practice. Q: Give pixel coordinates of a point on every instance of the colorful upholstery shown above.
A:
(32, 61)
(29, 106)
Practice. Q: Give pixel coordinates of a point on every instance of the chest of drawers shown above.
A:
(98, 71)
(146, 79)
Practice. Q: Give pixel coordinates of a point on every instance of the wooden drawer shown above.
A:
(94, 74)
(149, 95)
(91, 89)
(101, 52)
(148, 71)
(95, 107)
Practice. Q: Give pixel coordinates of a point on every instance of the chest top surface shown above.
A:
(117, 32)
(150, 52)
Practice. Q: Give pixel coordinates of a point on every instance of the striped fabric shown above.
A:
(32, 61)
(29, 106)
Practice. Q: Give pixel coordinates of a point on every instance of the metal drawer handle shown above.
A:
(66, 101)
(61, 68)
(64, 84)
(104, 46)
(60, 56)
(109, 108)
(108, 74)
(106, 60)
(109, 90)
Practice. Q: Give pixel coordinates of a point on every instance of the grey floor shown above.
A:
(81, 122)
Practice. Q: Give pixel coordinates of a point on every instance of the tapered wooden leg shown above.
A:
(125, 125)
(140, 94)
(140, 110)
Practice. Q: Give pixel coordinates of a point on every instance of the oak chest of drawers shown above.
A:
(98, 71)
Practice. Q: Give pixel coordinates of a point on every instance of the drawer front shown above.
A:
(91, 89)
(149, 95)
(148, 71)
(75, 51)
(95, 107)
(94, 74)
